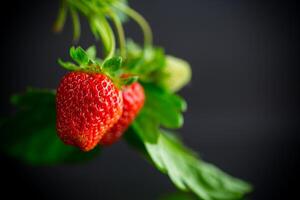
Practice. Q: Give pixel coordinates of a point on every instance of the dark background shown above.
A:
(243, 111)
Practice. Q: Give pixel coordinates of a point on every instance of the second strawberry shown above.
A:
(133, 101)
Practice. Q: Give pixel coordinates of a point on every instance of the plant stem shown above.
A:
(76, 24)
(140, 20)
(121, 34)
(111, 37)
(61, 18)
(80, 6)
(106, 34)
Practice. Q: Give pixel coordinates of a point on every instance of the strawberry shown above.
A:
(177, 74)
(133, 101)
(87, 106)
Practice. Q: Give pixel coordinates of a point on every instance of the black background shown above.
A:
(243, 106)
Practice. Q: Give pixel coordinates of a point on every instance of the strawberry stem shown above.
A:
(140, 20)
(61, 18)
(76, 24)
(111, 36)
(104, 30)
(98, 13)
(121, 34)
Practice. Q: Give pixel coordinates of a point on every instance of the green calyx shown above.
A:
(86, 61)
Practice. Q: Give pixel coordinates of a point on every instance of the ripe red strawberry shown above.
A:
(133, 101)
(87, 106)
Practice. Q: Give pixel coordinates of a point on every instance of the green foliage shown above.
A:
(145, 62)
(186, 170)
(112, 66)
(154, 66)
(86, 60)
(30, 136)
(97, 13)
(189, 173)
(163, 106)
(147, 126)
(79, 55)
(161, 109)
(68, 65)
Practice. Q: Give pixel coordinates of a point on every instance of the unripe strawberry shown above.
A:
(178, 74)
(133, 101)
(87, 106)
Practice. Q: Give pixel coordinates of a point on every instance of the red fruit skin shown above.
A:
(87, 106)
(133, 101)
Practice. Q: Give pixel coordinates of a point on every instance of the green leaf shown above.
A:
(68, 65)
(146, 127)
(30, 134)
(164, 106)
(79, 55)
(188, 172)
(161, 109)
(112, 66)
(145, 62)
(178, 102)
(33, 98)
(134, 140)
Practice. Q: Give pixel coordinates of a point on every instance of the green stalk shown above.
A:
(140, 20)
(107, 35)
(76, 24)
(80, 6)
(112, 48)
(61, 18)
(121, 34)
(99, 25)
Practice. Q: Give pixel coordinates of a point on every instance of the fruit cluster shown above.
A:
(91, 109)
(95, 102)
